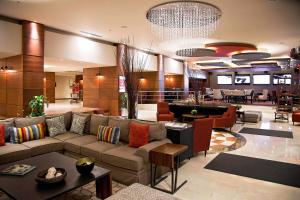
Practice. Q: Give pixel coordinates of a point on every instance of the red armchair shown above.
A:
(202, 134)
(227, 120)
(296, 116)
(163, 112)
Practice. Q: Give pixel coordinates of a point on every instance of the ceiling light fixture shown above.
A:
(183, 19)
(91, 34)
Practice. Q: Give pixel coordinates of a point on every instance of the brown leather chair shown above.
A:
(227, 120)
(163, 112)
(202, 134)
(296, 116)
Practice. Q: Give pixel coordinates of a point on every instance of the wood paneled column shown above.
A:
(33, 61)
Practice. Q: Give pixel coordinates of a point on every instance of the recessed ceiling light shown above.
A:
(91, 34)
(124, 26)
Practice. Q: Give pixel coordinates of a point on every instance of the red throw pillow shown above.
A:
(2, 135)
(138, 134)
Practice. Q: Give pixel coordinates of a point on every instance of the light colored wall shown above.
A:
(10, 38)
(77, 48)
(172, 66)
(62, 89)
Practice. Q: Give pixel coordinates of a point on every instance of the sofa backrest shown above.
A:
(96, 120)
(28, 121)
(67, 118)
(116, 121)
(157, 130)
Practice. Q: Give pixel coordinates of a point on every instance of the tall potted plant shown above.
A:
(37, 106)
(133, 63)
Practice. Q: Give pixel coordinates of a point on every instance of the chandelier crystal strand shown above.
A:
(183, 20)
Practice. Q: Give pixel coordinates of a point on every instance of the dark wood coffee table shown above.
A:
(25, 187)
(185, 117)
(167, 155)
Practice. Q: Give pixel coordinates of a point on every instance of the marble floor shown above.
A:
(208, 184)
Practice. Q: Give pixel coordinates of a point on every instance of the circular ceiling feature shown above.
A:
(195, 52)
(183, 19)
(226, 49)
(251, 55)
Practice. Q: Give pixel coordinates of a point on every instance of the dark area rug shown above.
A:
(266, 170)
(272, 133)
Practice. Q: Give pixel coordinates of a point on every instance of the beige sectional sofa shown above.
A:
(128, 165)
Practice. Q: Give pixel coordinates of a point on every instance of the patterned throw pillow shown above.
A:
(78, 124)
(108, 134)
(56, 125)
(28, 133)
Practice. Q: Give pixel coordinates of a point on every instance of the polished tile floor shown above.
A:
(207, 184)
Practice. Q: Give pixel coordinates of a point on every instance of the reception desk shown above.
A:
(203, 109)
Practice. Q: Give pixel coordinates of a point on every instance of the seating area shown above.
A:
(149, 100)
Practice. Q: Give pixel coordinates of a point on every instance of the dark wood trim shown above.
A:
(10, 19)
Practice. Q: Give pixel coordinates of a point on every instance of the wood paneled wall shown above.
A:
(49, 86)
(101, 91)
(174, 81)
(11, 87)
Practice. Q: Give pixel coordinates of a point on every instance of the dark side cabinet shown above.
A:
(182, 136)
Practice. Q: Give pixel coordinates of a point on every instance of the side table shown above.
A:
(282, 115)
(185, 117)
(166, 155)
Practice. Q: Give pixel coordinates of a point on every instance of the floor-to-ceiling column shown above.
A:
(33, 61)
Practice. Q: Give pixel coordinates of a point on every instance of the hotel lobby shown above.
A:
(149, 99)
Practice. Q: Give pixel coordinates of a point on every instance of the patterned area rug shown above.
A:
(83, 193)
(222, 141)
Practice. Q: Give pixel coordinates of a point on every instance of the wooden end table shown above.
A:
(166, 155)
(190, 116)
(283, 115)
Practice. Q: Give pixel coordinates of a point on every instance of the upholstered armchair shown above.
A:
(202, 134)
(163, 112)
(296, 116)
(264, 96)
(227, 120)
(217, 95)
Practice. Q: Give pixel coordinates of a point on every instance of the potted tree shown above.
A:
(37, 106)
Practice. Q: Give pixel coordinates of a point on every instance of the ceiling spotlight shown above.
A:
(124, 26)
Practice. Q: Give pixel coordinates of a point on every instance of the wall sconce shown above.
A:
(142, 78)
(6, 69)
(99, 75)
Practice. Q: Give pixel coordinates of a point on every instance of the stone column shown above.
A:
(185, 79)
(161, 76)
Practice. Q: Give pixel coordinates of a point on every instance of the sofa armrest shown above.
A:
(143, 151)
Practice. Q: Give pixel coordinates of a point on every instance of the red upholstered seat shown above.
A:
(296, 116)
(163, 113)
(227, 120)
(202, 134)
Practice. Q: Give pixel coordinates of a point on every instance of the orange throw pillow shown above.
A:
(2, 135)
(138, 134)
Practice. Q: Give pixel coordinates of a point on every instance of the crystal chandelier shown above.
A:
(183, 19)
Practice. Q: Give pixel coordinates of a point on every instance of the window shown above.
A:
(242, 79)
(261, 79)
(224, 79)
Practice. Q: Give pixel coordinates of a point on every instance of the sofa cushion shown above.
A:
(7, 123)
(78, 124)
(96, 121)
(66, 136)
(86, 129)
(96, 149)
(67, 119)
(43, 146)
(123, 157)
(109, 134)
(138, 134)
(28, 133)
(56, 125)
(124, 127)
(74, 145)
(157, 130)
(13, 152)
(28, 121)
